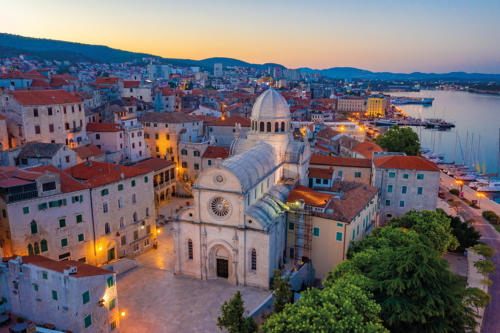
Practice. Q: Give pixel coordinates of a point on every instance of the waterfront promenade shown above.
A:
(491, 321)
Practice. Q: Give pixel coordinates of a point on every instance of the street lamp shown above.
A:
(461, 184)
(480, 195)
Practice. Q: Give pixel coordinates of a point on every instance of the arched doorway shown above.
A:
(220, 263)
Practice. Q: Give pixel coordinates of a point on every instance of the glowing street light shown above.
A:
(480, 195)
(123, 314)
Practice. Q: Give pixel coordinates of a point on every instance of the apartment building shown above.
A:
(137, 90)
(223, 130)
(4, 134)
(164, 178)
(351, 104)
(344, 168)
(214, 156)
(70, 295)
(39, 153)
(52, 116)
(406, 183)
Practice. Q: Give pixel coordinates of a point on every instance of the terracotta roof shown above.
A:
(367, 148)
(85, 152)
(131, 84)
(154, 164)
(107, 80)
(2, 116)
(68, 183)
(103, 127)
(310, 197)
(230, 121)
(40, 83)
(216, 152)
(405, 162)
(44, 97)
(58, 82)
(339, 161)
(166, 117)
(94, 174)
(327, 132)
(82, 269)
(321, 173)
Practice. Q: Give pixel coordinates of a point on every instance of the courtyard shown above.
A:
(156, 300)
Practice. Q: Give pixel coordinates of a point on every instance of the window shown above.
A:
(88, 321)
(184, 152)
(196, 153)
(420, 176)
(389, 188)
(276, 126)
(340, 224)
(282, 126)
(122, 222)
(97, 136)
(107, 229)
(209, 162)
(401, 204)
(110, 281)
(146, 179)
(268, 126)
(35, 286)
(148, 229)
(34, 227)
(339, 234)
(79, 218)
(405, 176)
(120, 187)
(190, 249)
(325, 181)
(254, 260)
(184, 165)
(123, 240)
(120, 203)
(340, 173)
(392, 174)
(62, 223)
(316, 231)
(132, 183)
(4, 213)
(51, 128)
(81, 237)
(104, 192)
(26, 210)
(134, 200)
(155, 124)
(262, 126)
(30, 250)
(43, 245)
(135, 217)
(196, 166)
(113, 325)
(49, 111)
(112, 304)
(37, 248)
(64, 242)
(54, 295)
(403, 189)
(85, 297)
(419, 191)
(357, 174)
(318, 181)
(168, 136)
(136, 235)
(35, 112)
(291, 226)
(105, 207)
(388, 202)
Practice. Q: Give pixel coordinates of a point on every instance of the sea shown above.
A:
(474, 140)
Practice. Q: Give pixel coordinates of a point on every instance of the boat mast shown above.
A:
(498, 157)
(471, 154)
(478, 167)
(455, 153)
(466, 146)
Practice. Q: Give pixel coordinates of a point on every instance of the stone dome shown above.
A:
(270, 105)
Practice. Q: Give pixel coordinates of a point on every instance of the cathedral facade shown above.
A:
(236, 229)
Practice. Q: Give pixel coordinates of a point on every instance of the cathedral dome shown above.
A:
(270, 105)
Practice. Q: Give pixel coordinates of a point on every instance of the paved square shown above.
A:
(156, 300)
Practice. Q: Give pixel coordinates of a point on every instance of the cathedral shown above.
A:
(236, 229)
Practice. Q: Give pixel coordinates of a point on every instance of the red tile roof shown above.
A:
(310, 197)
(107, 80)
(367, 148)
(131, 84)
(321, 173)
(230, 121)
(68, 184)
(44, 97)
(103, 127)
(216, 152)
(85, 152)
(82, 269)
(154, 164)
(405, 162)
(166, 117)
(94, 174)
(339, 161)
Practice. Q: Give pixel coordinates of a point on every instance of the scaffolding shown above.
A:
(302, 221)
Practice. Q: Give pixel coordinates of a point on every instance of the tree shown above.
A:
(233, 318)
(477, 298)
(282, 293)
(433, 224)
(484, 250)
(400, 139)
(466, 235)
(484, 267)
(341, 307)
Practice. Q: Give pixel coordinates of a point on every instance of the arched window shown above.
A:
(135, 216)
(190, 249)
(122, 222)
(120, 203)
(282, 126)
(268, 126)
(30, 249)
(43, 245)
(134, 199)
(253, 263)
(262, 126)
(107, 229)
(253, 125)
(34, 227)
(276, 127)
(147, 211)
(37, 249)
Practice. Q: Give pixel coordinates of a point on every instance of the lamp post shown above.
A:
(461, 184)
(480, 195)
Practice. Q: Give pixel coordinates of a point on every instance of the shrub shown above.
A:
(491, 216)
(454, 191)
(484, 250)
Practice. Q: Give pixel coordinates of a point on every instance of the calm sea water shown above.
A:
(475, 114)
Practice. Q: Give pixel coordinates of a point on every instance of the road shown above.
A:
(491, 321)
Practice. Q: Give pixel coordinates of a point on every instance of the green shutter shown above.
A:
(62, 223)
(54, 295)
(79, 218)
(316, 232)
(88, 321)
(112, 304)
(44, 275)
(133, 183)
(339, 235)
(146, 179)
(26, 210)
(111, 282)
(64, 242)
(85, 297)
(120, 187)
(43, 245)
(81, 237)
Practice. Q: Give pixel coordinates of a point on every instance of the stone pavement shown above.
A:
(156, 300)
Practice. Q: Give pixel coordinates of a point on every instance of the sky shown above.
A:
(385, 35)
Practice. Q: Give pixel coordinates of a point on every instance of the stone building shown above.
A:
(40, 153)
(347, 169)
(4, 134)
(237, 227)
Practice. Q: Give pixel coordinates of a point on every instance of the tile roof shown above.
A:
(154, 164)
(216, 152)
(366, 149)
(36, 149)
(82, 269)
(44, 97)
(85, 152)
(94, 174)
(310, 196)
(68, 183)
(166, 117)
(103, 127)
(230, 121)
(327, 132)
(321, 173)
(131, 84)
(340, 161)
(107, 80)
(405, 162)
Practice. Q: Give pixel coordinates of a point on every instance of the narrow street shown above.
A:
(491, 321)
